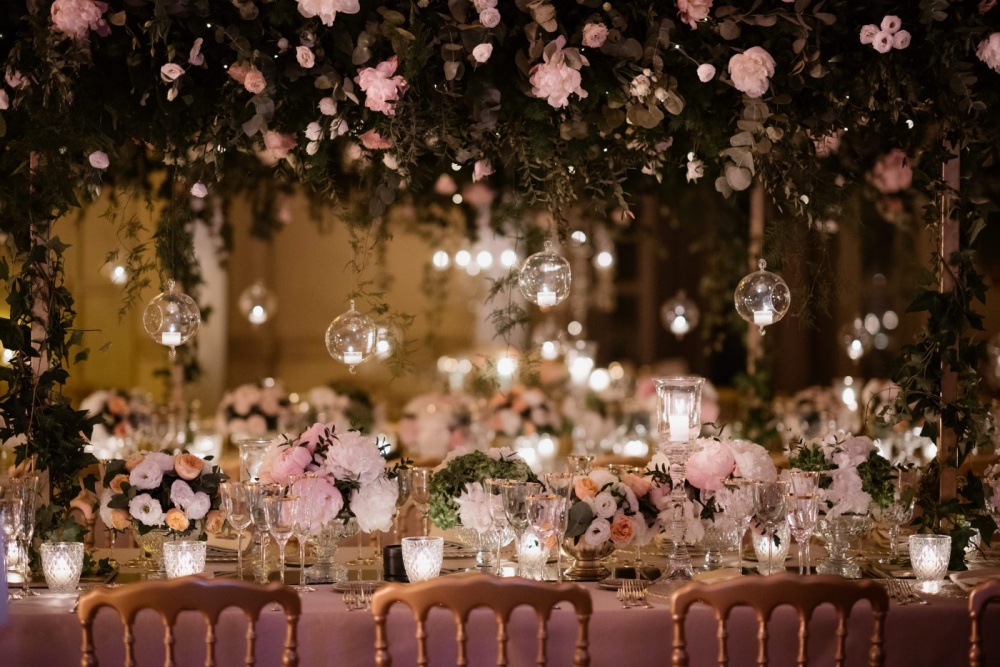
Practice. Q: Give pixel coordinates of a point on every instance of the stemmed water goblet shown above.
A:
(515, 507)
(736, 500)
(802, 515)
(770, 507)
(257, 493)
(420, 492)
(236, 508)
(494, 496)
(403, 482)
(900, 509)
(561, 484)
(281, 518)
(304, 514)
(11, 520)
(579, 464)
(26, 488)
(545, 514)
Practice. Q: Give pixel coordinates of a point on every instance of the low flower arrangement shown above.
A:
(457, 496)
(156, 490)
(120, 415)
(351, 476)
(253, 409)
(523, 411)
(854, 474)
(347, 407)
(607, 509)
(434, 424)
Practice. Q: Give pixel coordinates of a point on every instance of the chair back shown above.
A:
(170, 597)
(765, 594)
(980, 596)
(461, 593)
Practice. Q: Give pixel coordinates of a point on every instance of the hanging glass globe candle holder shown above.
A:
(679, 315)
(352, 338)
(545, 278)
(762, 298)
(171, 318)
(258, 304)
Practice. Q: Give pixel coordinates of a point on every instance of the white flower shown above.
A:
(901, 40)
(597, 532)
(706, 72)
(602, 477)
(146, 475)
(845, 493)
(170, 72)
(145, 509)
(751, 70)
(868, 33)
(882, 41)
(354, 457)
(314, 131)
(328, 106)
(603, 505)
(501, 453)
(104, 510)
(891, 24)
(305, 56)
(482, 52)
(988, 51)
(639, 87)
(374, 504)
(490, 18)
(327, 10)
(180, 491)
(199, 190)
(695, 170)
(753, 461)
(853, 452)
(98, 160)
(164, 461)
(195, 507)
(474, 507)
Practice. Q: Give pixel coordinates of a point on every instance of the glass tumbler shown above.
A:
(62, 563)
(422, 557)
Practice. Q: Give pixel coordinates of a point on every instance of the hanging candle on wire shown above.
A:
(679, 315)
(762, 298)
(545, 278)
(171, 318)
(257, 303)
(352, 338)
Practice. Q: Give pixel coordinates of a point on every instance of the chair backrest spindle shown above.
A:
(980, 596)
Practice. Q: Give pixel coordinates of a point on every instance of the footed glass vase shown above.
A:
(326, 569)
(838, 532)
(486, 543)
(151, 543)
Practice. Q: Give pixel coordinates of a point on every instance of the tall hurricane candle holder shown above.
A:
(678, 411)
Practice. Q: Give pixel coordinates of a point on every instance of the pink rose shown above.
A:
(558, 76)
(281, 462)
(988, 51)
(692, 11)
(99, 160)
(374, 141)
(585, 487)
(882, 42)
(188, 466)
(327, 10)
(278, 144)
(75, 18)
(305, 56)
(171, 72)
(481, 169)
(901, 40)
(482, 52)
(254, 81)
(120, 519)
(706, 72)
(328, 106)
(381, 88)
(868, 33)
(490, 18)
(594, 35)
(891, 24)
(707, 467)
(195, 56)
(622, 530)
(751, 70)
(891, 174)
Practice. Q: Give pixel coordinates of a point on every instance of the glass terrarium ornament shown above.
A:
(762, 298)
(171, 318)
(545, 278)
(352, 338)
(257, 303)
(679, 315)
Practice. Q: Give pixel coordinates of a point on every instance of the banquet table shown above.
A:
(39, 631)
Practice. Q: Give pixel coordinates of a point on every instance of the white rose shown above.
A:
(603, 505)
(751, 70)
(314, 131)
(170, 72)
(199, 190)
(482, 52)
(597, 533)
(305, 56)
(706, 72)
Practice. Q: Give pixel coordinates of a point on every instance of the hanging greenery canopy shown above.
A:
(558, 100)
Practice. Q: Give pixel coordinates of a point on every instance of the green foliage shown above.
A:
(449, 482)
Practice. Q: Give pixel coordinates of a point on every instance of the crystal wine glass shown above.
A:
(236, 508)
(515, 506)
(736, 500)
(904, 496)
(494, 493)
(802, 514)
(420, 491)
(403, 482)
(257, 493)
(579, 464)
(770, 507)
(281, 516)
(304, 513)
(561, 484)
(26, 488)
(545, 515)
(11, 520)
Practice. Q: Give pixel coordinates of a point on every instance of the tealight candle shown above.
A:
(352, 357)
(546, 298)
(680, 428)
(183, 557)
(762, 318)
(62, 563)
(171, 338)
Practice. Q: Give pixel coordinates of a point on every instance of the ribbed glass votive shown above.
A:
(422, 557)
(183, 557)
(62, 563)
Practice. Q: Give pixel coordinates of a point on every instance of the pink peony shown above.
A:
(305, 56)
(751, 70)
(324, 500)
(490, 18)
(374, 141)
(868, 33)
(283, 461)
(171, 72)
(692, 11)
(482, 52)
(558, 76)
(278, 144)
(327, 10)
(708, 467)
(381, 88)
(882, 41)
(254, 81)
(640, 485)
(988, 51)
(706, 72)
(891, 174)
(76, 18)
(99, 160)
(901, 40)
(481, 169)
(594, 35)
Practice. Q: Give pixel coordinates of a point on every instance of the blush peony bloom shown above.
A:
(305, 56)
(374, 141)
(99, 160)
(328, 106)
(481, 169)
(901, 40)
(283, 461)
(988, 51)
(327, 10)
(374, 504)
(692, 11)
(882, 42)
(490, 18)
(254, 81)
(559, 75)
(751, 70)
(482, 52)
(381, 88)
(891, 174)
(171, 72)
(76, 18)
(324, 501)
(868, 33)
(594, 35)
(708, 467)
(706, 72)
(199, 190)
(752, 461)
(355, 457)
(278, 145)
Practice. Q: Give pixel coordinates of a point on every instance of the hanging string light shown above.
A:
(352, 338)
(679, 315)
(257, 303)
(171, 318)
(545, 278)
(762, 298)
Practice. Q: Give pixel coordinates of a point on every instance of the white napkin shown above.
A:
(971, 578)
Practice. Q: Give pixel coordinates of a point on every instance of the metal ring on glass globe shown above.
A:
(257, 303)
(545, 278)
(762, 298)
(679, 315)
(171, 318)
(352, 338)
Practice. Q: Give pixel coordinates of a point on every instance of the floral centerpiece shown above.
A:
(177, 493)
(606, 509)
(854, 474)
(523, 411)
(253, 409)
(347, 407)
(351, 480)
(457, 496)
(434, 424)
(120, 418)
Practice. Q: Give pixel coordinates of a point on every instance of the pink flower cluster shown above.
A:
(76, 18)
(988, 51)
(381, 88)
(751, 71)
(692, 11)
(327, 10)
(719, 460)
(887, 36)
(558, 75)
(891, 174)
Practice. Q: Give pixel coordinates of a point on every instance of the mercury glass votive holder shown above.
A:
(183, 557)
(929, 555)
(62, 563)
(422, 557)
